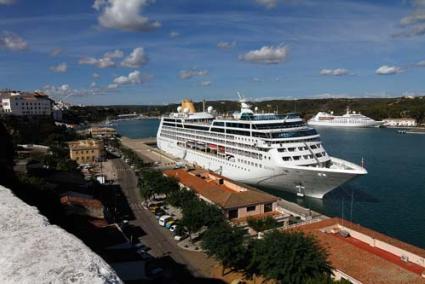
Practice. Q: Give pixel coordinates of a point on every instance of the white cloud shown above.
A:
(106, 61)
(124, 15)
(421, 63)
(132, 78)
(12, 41)
(93, 84)
(7, 2)
(388, 70)
(414, 23)
(95, 76)
(65, 90)
(334, 72)
(136, 58)
(60, 68)
(206, 83)
(174, 34)
(269, 4)
(187, 74)
(332, 96)
(226, 44)
(112, 86)
(266, 55)
(55, 52)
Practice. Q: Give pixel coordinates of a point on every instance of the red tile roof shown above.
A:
(205, 184)
(363, 262)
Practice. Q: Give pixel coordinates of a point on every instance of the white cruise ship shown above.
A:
(266, 150)
(349, 119)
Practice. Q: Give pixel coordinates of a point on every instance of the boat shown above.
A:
(349, 119)
(266, 150)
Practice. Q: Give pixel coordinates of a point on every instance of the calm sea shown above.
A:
(390, 199)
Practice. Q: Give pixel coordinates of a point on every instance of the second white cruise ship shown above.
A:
(349, 119)
(267, 150)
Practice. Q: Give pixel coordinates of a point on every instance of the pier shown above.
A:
(145, 148)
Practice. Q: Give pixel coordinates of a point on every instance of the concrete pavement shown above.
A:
(157, 238)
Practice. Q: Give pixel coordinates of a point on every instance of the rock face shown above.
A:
(34, 251)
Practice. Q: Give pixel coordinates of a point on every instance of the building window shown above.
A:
(233, 213)
(268, 207)
(250, 208)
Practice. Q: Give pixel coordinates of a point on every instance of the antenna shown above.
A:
(239, 95)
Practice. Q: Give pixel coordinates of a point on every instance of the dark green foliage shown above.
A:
(7, 153)
(263, 224)
(180, 198)
(133, 158)
(376, 108)
(290, 257)
(197, 214)
(226, 244)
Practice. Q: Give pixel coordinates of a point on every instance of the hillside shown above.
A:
(376, 108)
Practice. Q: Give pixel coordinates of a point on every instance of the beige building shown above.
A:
(236, 201)
(103, 132)
(86, 151)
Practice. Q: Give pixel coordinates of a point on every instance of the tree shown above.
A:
(264, 224)
(226, 244)
(180, 198)
(192, 219)
(290, 257)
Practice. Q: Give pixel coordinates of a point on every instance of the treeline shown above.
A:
(376, 108)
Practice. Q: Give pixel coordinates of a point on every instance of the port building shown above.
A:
(86, 151)
(25, 104)
(362, 255)
(236, 200)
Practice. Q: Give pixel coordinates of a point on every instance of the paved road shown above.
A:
(157, 238)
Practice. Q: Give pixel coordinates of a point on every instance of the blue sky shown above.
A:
(157, 52)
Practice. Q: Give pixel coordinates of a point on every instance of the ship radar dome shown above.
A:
(179, 109)
(186, 110)
(210, 109)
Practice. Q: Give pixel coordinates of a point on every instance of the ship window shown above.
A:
(217, 130)
(292, 149)
(296, 158)
(218, 123)
(318, 155)
(286, 158)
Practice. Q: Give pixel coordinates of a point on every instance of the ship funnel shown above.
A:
(188, 104)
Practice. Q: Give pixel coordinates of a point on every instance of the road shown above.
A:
(157, 238)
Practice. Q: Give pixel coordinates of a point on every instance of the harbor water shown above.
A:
(390, 199)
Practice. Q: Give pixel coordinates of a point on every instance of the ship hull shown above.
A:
(305, 181)
(347, 125)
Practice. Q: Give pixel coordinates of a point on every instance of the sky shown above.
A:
(104, 52)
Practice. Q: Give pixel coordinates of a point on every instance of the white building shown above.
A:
(15, 103)
(400, 122)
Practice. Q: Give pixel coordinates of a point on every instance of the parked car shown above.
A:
(170, 223)
(180, 237)
(164, 219)
(159, 213)
(173, 227)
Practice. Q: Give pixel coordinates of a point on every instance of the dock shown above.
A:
(145, 148)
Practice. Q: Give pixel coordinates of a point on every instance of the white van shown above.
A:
(164, 219)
